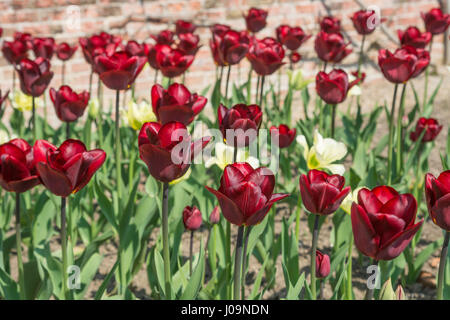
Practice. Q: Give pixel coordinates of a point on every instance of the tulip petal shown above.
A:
(366, 239)
(369, 201)
(24, 184)
(116, 79)
(404, 207)
(264, 178)
(440, 212)
(229, 209)
(70, 148)
(54, 180)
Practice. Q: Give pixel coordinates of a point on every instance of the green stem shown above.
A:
(237, 264)
(117, 146)
(261, 93)
(391, 136)
(249, 86)
(313, 256)
(333, 119)
(34, 118)
(440, 288)
(244, 262)
(349, 269)
(213, 260)
(228, 82)
(165, 231)
(399, 154)
(64, 246)
(19, 249)
(191, 244)
(297, 218)
(425, 89)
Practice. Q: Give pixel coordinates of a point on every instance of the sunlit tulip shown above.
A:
(139, 113)
(223, 156)
(24, 102)
(352, 196)
(437, 192)
(245, 194)
(323, 153)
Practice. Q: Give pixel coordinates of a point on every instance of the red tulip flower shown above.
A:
(34, 76)
(333, 87)
(173, 62)
(119, 70)
(64, 51)
(43, 47)
(361, 76)
(266, 56)
(192, 218)
(182, 26)
(14, 51)
(134, 48)
(17, 165)
(176, 103)
(331, 47)
(322, 193)
(214, 217)
(152, 51)
(69, 168)
(68, 104)
(189, 43)
(283, 135)
(414, 38)
(431, 127)
(219, 29)
(164, 37)
(364, 21)
(322, 265)
(330, 25)
(423, 61)
(167, 149)
(294, 57)
(245, 194)
(400, 66)
(437, 192)
(240, 124)
(291, 37)
(383, 222)
(98, 44)
(256, 19)
(230, 47)
(436, 22)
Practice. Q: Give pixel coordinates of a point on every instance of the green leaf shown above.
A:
(196, 280)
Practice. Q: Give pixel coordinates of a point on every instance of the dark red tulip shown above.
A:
(98, 44)
(256, 19)
(69, 168)
(364, 21)
(436, 22)
(423, 61)
(283, 135)
(14, 51)
(333, 87)
(17, 166)
(164, 37)
(330, 25)
(214, 217)
(331, 47)
(43, 47)
(152, 50)
(173, 62)
(182, 26)
(291, 37)
(266, 56)
(176, 103)
(134, 48)
(383, 222)
(219, 29)
(240, 124)
(322, 193)
(230, 47)
(398, 67)
(69, 105)
(431, 127)
(361, 76)
(245, 194)
(119, 70)
(437, 192)
(294, 57)
(189, 43)
(167, 149)
(34, 76)
(192, 218)
(64, 51)
(322, 264)
(414, 38)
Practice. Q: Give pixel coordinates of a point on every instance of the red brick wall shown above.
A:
(50, 18)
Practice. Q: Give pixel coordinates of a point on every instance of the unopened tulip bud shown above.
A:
(400, 293)
(192, 218)
(214, 217)
(387, 292)
(94, 108)
(322, 264)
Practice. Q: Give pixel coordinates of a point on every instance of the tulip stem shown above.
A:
(237, 263)
(244, 261)
(165, 231)
(68, 130)
(249, 86)
(117, 133)
(313, 256)
(90, 81)
(64, 246)
(14, 80)
(399, 154)
(258, 78)
(440, 288)
(227, 83)
(425, 89)
(333, 119)
(261, 93)
(156, 77)
(297, 219)
(63, 72)
(349, 269)
(190, 252)
(34, 117)
(19, 249)
(391, 136)
(212, 254)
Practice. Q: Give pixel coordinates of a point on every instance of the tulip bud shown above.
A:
(214, 217)
(192, 218)
(400, 293)
(138, 114)
(94, 108)
(387, 292)
(322, 265)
